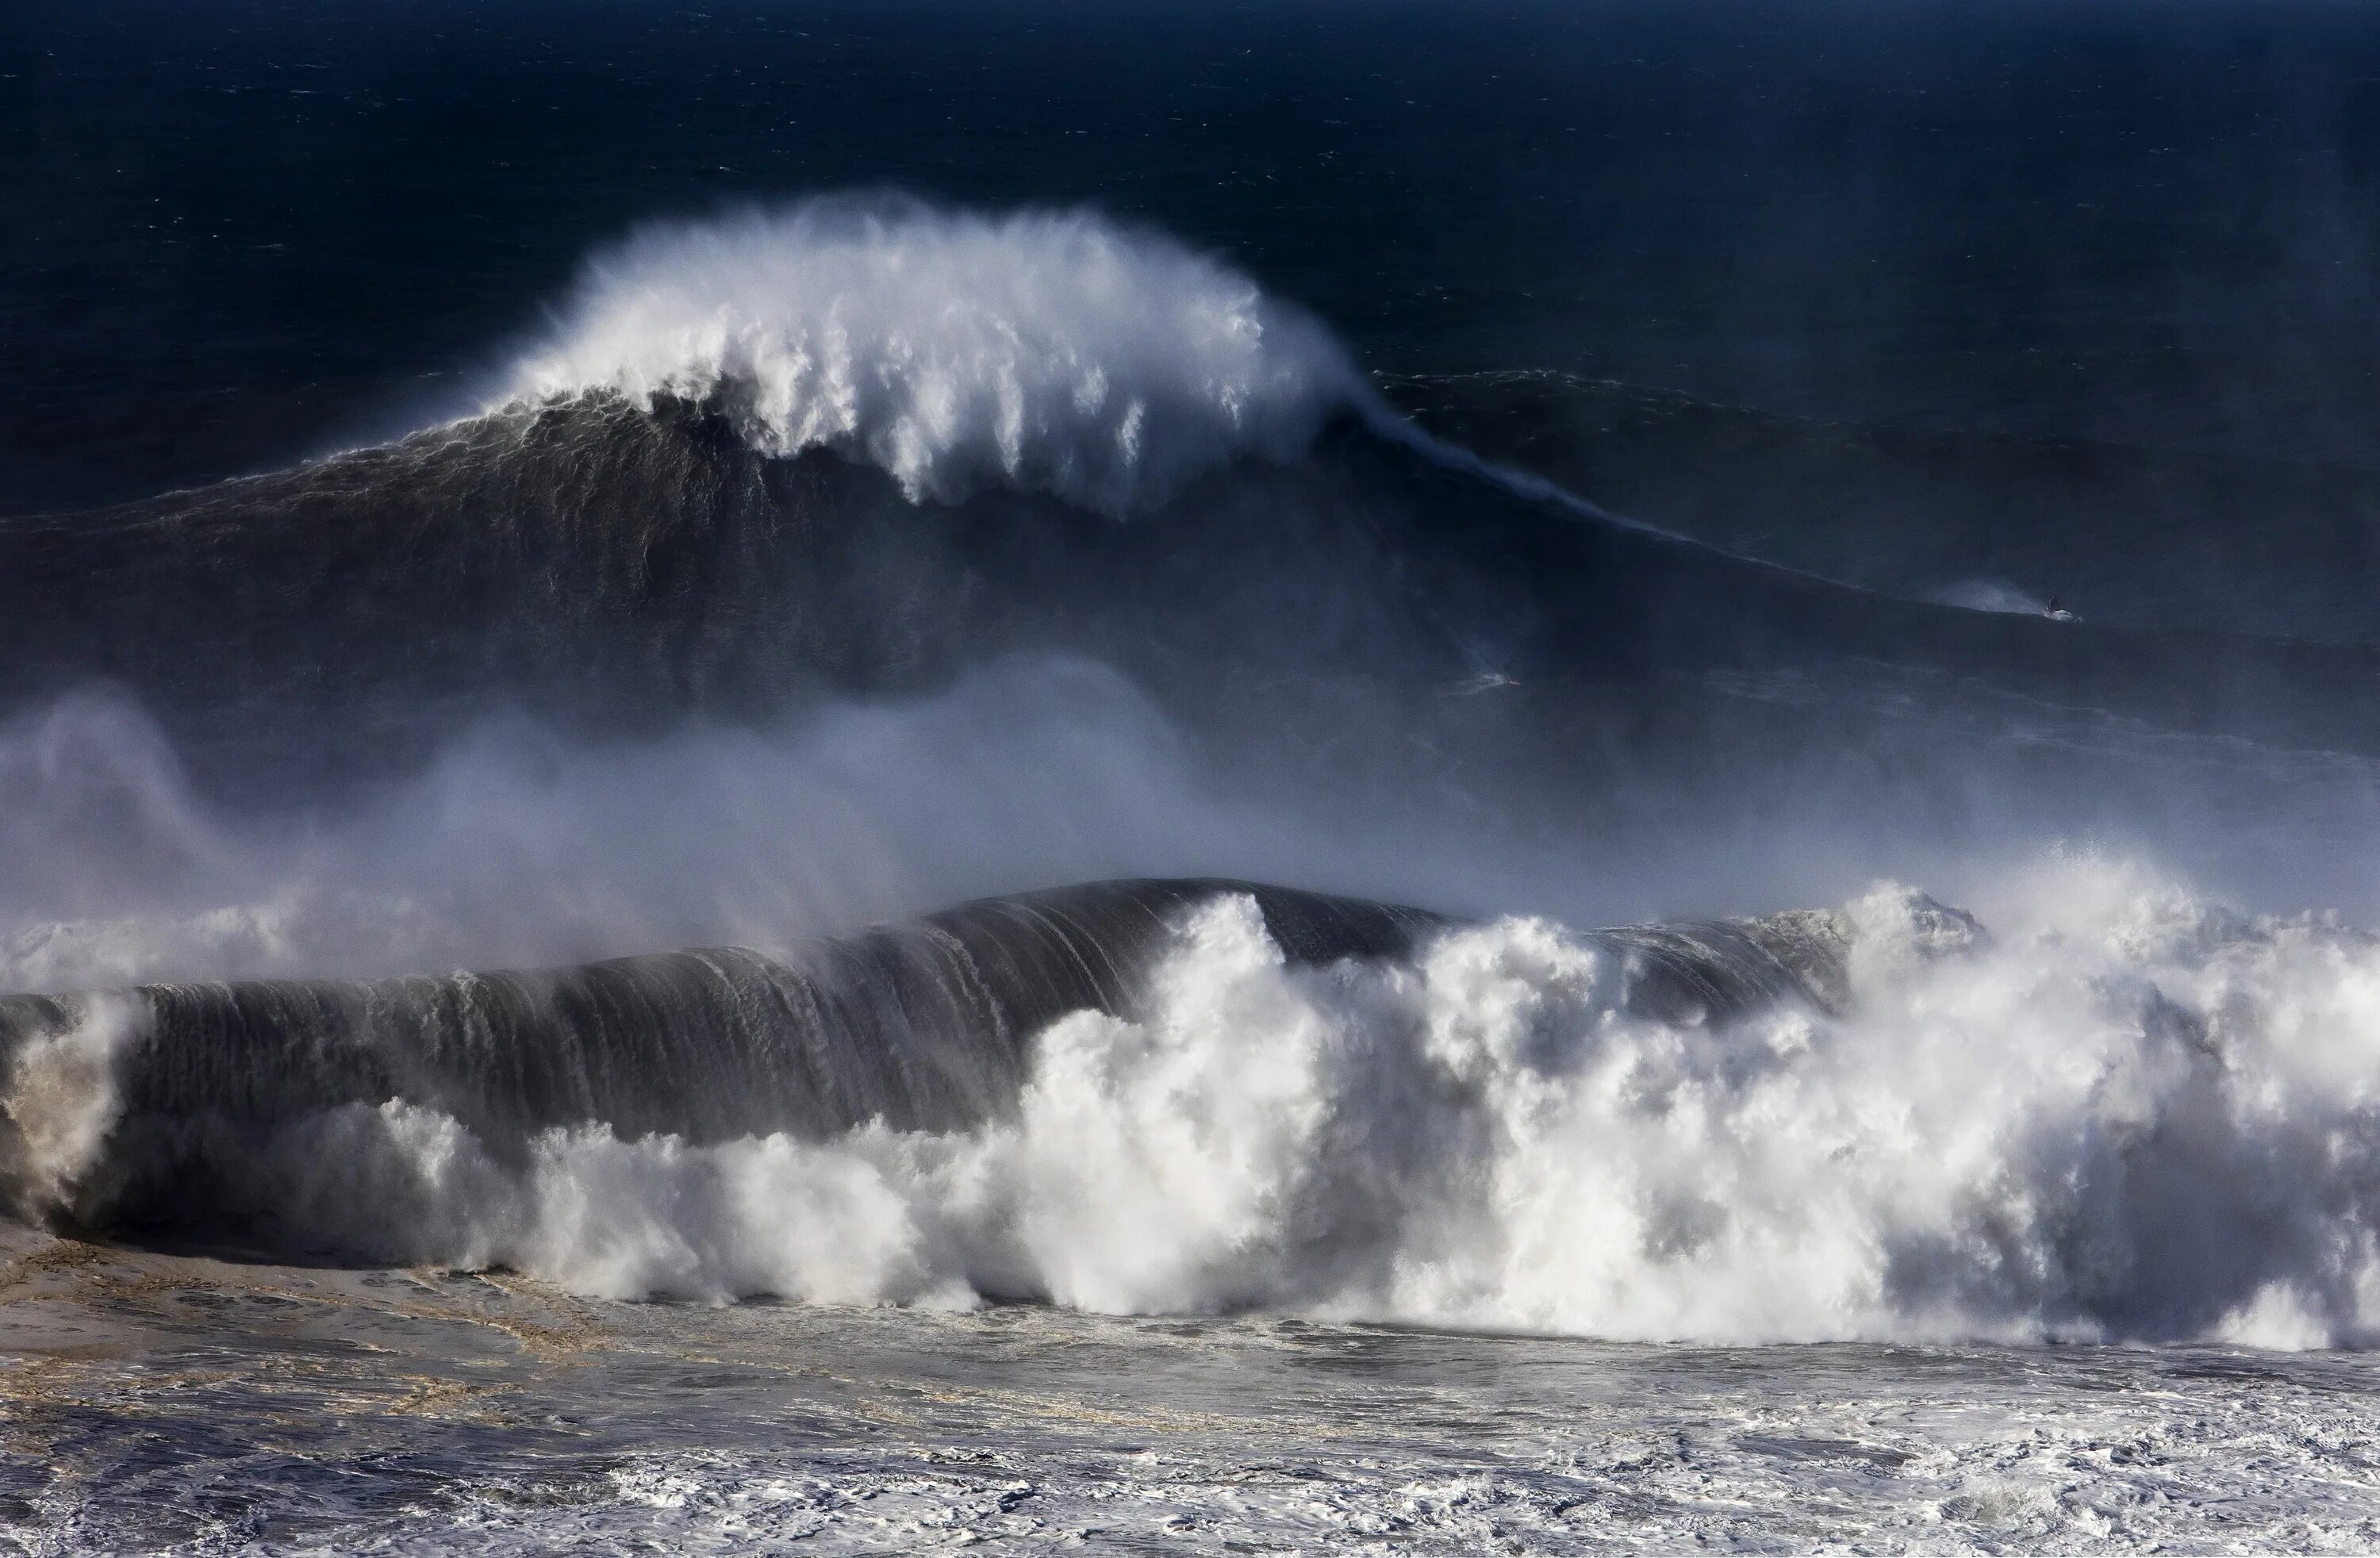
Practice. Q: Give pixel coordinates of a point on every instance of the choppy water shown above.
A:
(186, 1404)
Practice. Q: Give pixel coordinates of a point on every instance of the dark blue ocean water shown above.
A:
(238, 231)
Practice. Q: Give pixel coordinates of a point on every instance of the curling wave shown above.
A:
(2127, 1115)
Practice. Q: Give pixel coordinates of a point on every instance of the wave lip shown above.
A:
(1041, 350)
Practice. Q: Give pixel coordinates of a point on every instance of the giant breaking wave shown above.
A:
(859, 447)
(2129, 1115)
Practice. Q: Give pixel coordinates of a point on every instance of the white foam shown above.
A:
(57, 1102)
(1050, 352)
(2131, 1115)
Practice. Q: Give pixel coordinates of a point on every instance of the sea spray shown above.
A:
(58, 1100)
(1045, 350)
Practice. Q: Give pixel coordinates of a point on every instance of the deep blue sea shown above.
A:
(246, 231)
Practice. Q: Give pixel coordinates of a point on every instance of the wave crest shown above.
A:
(1052, 351)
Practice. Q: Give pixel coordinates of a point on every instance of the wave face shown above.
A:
(2124, 1116)
(921, 1024)
(863, 448)
(1049, 352)
(918, 1026)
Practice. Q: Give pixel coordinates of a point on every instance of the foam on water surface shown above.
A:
(185, 1404)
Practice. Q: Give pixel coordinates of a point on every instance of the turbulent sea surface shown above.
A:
(324, 1411)
(1606, 779)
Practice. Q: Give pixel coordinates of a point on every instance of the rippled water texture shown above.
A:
(184, 1403)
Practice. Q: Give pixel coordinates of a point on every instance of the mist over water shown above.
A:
(517, 846)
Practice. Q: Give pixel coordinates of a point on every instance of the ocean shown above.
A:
(1185, 776)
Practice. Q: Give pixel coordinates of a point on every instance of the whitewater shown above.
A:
(1050, 351)
(2135, 1117)
(908, 792)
